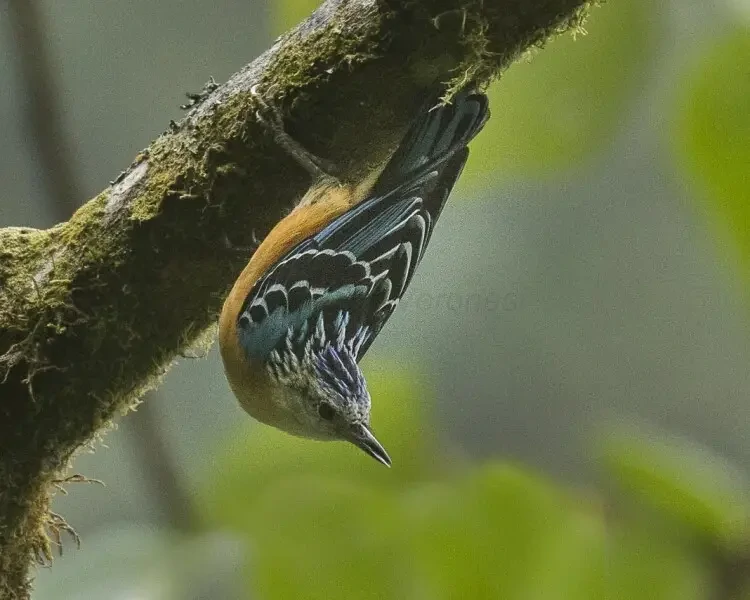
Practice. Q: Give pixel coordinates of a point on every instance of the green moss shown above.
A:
(483, 61)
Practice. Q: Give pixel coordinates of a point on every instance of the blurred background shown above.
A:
(564, 390)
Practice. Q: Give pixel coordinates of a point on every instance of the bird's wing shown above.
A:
(344, 282)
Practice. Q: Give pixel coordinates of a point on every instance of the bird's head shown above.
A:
(326, 394)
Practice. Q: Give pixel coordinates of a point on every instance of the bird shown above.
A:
(321, 285)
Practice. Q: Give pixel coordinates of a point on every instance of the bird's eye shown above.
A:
(326, 411)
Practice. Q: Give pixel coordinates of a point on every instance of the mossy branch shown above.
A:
(93, 311)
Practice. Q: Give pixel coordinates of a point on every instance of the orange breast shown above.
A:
(248, 379)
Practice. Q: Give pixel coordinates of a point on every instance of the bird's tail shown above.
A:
(438, 131)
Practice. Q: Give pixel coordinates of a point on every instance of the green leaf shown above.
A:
(648, 564)
(324, 538)
(571, 561)
(685, 482)
(501, 533)
(564, 104)
(712, 134)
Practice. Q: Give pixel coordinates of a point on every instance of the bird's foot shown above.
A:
(270, 117)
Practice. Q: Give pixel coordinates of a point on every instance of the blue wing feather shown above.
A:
(355, 269)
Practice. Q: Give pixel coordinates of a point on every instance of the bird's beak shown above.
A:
(362, 437)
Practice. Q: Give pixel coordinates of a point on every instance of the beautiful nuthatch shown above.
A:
(321, 285)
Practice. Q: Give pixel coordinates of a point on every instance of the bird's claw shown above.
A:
(271, 118)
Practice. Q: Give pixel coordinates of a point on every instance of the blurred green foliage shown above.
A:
(705, 495)
(561, 106)
(670, 520)
(324, 521)
(712, 133)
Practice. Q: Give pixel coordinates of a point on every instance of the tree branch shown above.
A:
(92, 311)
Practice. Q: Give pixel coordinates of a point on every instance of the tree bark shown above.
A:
(92, 311)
